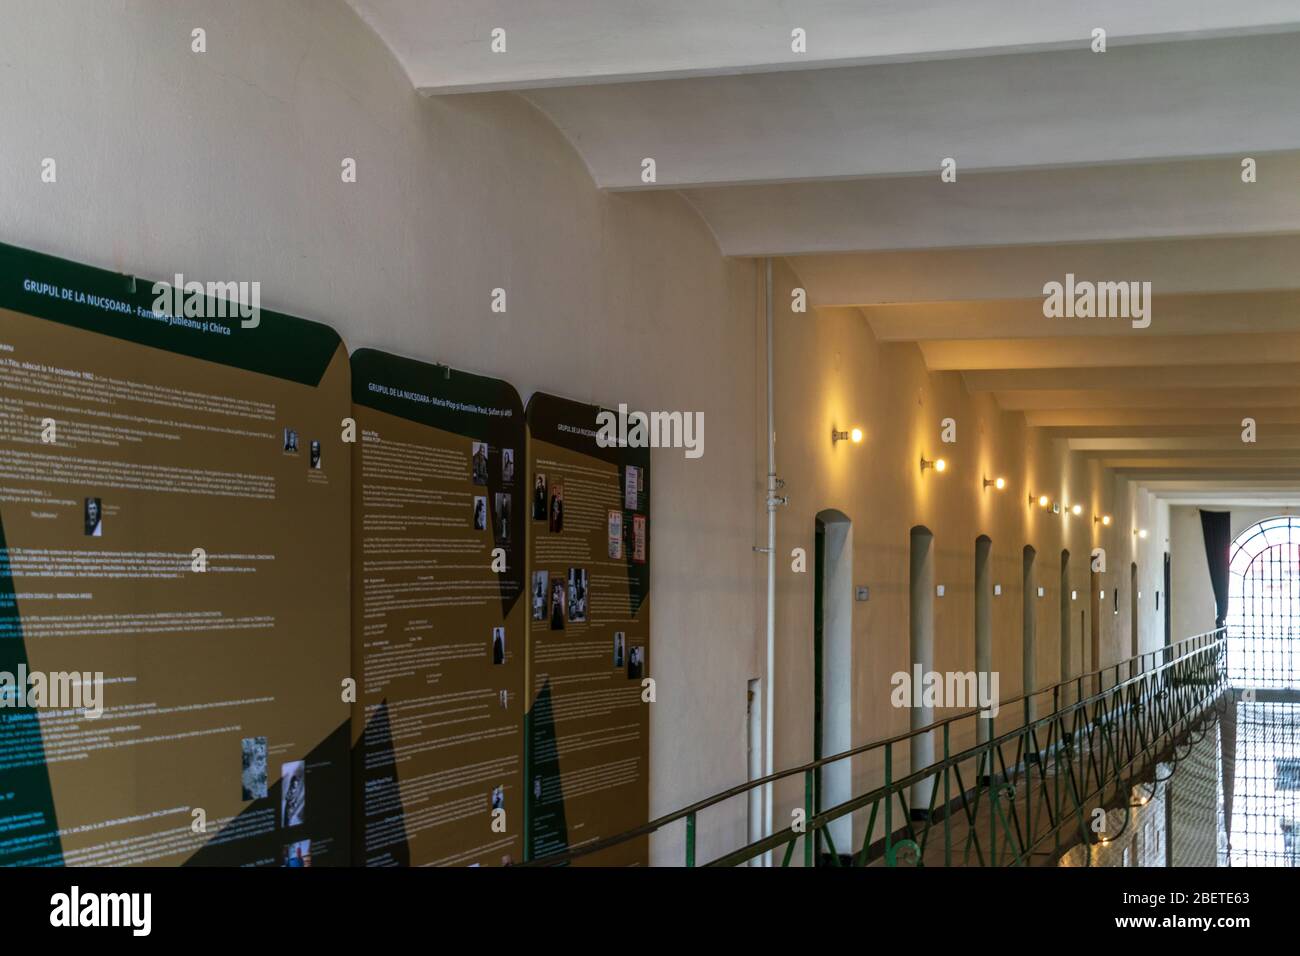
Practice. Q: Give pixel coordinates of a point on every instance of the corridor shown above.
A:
(447, 439)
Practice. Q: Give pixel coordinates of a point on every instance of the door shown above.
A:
(832, 673)
(1094, 633)
(1169, 627)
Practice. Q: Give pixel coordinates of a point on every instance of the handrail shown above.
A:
(1171, 652)
(820, 820)
(972, 752)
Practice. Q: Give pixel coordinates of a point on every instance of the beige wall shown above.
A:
(225, 165)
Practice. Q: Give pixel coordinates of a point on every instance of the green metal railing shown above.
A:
(1025, 791)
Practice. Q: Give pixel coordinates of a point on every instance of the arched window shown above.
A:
(1264, 604)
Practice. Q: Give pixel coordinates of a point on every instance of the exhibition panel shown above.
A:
(589, 684)
(438, 615)
(428, 648)
(174, 554)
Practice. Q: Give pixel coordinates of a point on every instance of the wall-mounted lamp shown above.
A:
(1043, 501)
(1101, 519)
(998, 483)
(1074, 595)
(1076, 510)
(837, 436)
(938, 464)
(1141, 533)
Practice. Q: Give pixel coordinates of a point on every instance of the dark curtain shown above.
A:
(1217, 528)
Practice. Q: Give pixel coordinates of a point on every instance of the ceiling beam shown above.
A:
(1132, 349)
(1164, 486)
(1017, 272)
(1270, 454)
(1139, 398)
(1180, 494)
(1143, 429)
(1197, 443)
(1228, 419)
(1170, 314)
(1204, 378)
(444, 47)
(1194, 433)
(1201, 464)
(1167, 101)
(1254, 478)
(1117, 201)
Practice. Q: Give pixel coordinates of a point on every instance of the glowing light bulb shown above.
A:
(856, 435)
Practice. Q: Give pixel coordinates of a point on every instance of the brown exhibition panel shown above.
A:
(174, 493)
(438, 615)
(589, 635)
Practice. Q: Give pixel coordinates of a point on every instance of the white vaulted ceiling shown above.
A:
(1118, 165)
(442, 44)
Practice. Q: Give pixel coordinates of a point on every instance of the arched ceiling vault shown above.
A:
(1117, 166)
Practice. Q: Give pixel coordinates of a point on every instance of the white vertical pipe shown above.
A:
(769, 699)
